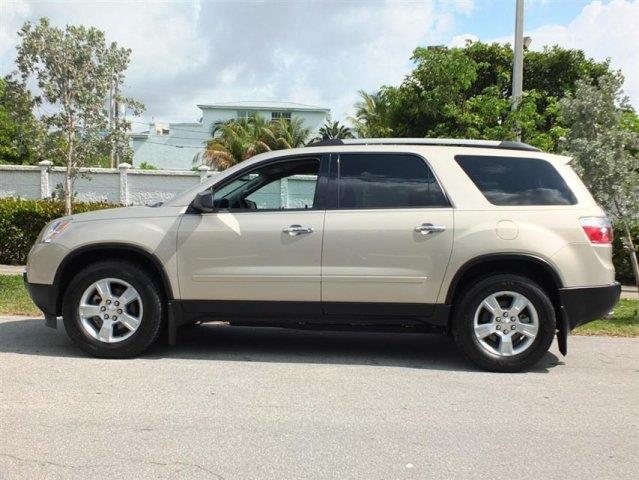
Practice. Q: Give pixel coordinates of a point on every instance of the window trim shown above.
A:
(333, 190)
(527, 205)
(319, 201)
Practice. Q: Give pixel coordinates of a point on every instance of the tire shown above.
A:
(140, 319)
(493, 335)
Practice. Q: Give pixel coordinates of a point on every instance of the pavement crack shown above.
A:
(168, 464)
(54, 464)
(96, 465)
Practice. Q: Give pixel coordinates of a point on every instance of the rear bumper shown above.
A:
(583, 305)
(44, 296)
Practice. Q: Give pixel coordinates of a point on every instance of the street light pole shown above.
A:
(518, 62)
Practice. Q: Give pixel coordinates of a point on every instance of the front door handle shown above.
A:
(295, 230)
(426, 228)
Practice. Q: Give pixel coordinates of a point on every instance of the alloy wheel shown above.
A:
(506, 323)
(110, 310)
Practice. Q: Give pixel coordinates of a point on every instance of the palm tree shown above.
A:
(288, 133)
(333, 130)
(237, 140)
(371, 116)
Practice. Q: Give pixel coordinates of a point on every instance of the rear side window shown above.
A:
(516, 181)
(387, 181)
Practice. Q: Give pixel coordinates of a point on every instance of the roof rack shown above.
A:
(448, 142)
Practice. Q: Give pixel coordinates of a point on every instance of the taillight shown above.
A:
(598, 229)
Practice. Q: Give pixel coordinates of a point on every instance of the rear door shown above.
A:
(388, 235)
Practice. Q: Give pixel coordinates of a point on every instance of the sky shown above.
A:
(317, 52)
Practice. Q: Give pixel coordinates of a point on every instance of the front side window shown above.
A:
(278, 186)
(512, 181)
(386, 180)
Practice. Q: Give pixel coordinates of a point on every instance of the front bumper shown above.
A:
(585, 304)
(45, 297)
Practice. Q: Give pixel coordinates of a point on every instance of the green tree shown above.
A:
(21, 134)
(75, 70)
(333, 130)
(604, 153)
(465, 93)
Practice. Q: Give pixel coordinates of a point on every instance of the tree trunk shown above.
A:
(633, 253)
(68, 181)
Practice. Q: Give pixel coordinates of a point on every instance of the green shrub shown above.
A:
(22, 220)
(147, 166)
(621, 257)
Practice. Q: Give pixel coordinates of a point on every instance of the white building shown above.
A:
(175, 145)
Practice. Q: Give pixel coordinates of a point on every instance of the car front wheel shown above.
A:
(113, 309)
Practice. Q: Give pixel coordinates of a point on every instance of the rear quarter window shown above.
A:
(511, 181)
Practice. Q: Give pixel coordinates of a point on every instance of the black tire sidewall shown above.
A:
(152, 314)
(463, 318)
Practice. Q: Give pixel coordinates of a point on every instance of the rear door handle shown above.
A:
(426, 228)
(295, 230)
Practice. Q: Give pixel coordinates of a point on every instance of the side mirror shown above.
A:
(203, 202)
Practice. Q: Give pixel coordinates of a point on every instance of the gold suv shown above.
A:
(496, 243)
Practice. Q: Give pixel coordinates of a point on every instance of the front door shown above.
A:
(387, 238)
(265, 242)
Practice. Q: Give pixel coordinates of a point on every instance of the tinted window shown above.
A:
(387, 181)
(516, 181)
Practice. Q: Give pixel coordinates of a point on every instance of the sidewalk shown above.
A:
(628, 291)
(11, 269)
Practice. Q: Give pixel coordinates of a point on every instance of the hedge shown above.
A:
(22, 220)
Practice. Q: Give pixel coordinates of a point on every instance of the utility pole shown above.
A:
(518, 62)
(111, 156)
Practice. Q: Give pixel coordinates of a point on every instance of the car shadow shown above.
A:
(218, 342)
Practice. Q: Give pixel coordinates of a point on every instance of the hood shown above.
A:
(127, 212)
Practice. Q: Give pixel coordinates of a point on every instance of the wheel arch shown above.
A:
(529, 265)
(82, 256)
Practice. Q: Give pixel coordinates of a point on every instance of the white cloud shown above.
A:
(312, 52)
(602, 31)
(460, 40)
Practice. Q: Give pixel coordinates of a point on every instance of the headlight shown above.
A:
(54, 229)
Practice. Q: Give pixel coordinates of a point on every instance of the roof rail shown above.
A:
(448, 142)
(325, 143)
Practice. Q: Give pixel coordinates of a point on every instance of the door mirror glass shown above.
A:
(203, 202)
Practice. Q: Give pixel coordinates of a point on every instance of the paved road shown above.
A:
(261, 404)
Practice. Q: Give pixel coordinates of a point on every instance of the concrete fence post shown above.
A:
(124, 184)
(204, 172)
(45, 190)
(284, 192)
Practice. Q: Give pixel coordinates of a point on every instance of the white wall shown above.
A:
(98, 184)
(138, 187)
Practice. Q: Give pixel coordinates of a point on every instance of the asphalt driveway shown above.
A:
(241, 403)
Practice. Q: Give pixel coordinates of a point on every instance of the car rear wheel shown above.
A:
(113, 309)
(504, 323)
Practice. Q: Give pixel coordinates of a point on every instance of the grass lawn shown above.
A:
(624, 322)
(14, 300)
